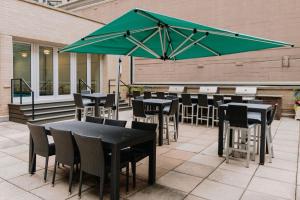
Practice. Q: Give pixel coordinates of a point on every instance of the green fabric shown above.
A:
(221, 42)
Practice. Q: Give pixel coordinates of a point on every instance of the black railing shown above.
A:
(21, 92)
(81, 83)
(122, 84)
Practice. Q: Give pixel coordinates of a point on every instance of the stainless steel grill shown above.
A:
(208, 90)
(246, 91)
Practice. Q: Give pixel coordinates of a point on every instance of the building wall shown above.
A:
(27, 21)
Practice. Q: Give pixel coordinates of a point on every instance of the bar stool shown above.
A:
(237, 99)
(136, 94)
(186, 104)
(170, 113)
(215, 109)
(139, 112)
(238, 121)
(203, 104)
(86, 108)
(160, 95)
(107, 106)
(147, 95)
(256, 101)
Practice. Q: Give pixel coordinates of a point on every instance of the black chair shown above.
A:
(147, 95)
(139, 112)
(171, 115)
(203, 105)
(160, 95)
(136, 94)
(113, 122)
(66, 152)
(42, 147)
(92, 160)
(238, 121)
(107, 106)
(173, 94)
(97, 120)
(85, 107)
(215, 110)
(140, 151)
(237, 99)
(186, 102)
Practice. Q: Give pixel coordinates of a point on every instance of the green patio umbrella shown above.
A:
(141, 33)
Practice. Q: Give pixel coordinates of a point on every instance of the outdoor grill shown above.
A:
(246, 91)
(210, 90)
(178, 89)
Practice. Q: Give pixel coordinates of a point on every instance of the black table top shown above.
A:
(94, 95)
(120, 136)
(157, 101)
(250, 106)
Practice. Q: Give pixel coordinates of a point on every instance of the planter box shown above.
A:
(297, 110)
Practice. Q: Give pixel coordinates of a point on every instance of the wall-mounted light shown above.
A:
(200, 67)
(46, 51)
(285, 61)
(239, 64)
(24, 55)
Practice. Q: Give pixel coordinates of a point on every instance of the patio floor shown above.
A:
(189, 169)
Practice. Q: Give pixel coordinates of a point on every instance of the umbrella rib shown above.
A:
(188, 46)
(141, 45)
(161, 41)
(182, 43)
(89, 43)
(169, 40)
(199, 44)
(149, 16)
(143, 41)
(121, 33)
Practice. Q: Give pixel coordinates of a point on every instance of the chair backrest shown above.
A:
(65, 146)
(40, 139)
(186, 99)
(172, 94)
(202, 100)
(136, 93)
(174, 106)
(147, 95)
(138, 108)
(217, 98)
(91, 154)
(78, 100)
(256, 101)
(113, 122)
(160, 95)
(85, 92)
(143, 126)
(109, 101)
(97, 120)
(237, 99)
(271, 117)
(237, 116)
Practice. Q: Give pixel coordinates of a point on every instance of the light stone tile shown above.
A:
(167, 163)
(16, 149)
(195, 169)
(158, 192)
(286, 156)
(276, 174)
(14, 170)
(192, 197)
(179, 154)
(230, 178)
(271, 187)
(9, 191)
(282, 164)
(217, 191)
(8, 160)
(195, 148)
(238, 166)
(142, 171)
(207, 160)
(250, 195)
(179, 181)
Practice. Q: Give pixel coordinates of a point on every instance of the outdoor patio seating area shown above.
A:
(187, 169)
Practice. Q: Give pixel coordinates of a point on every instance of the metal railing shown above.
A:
(81, 83)
(22, 92)
(122, 84)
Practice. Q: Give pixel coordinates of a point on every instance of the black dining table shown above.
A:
(262, 109)
(160, 103)
(96, 98)
(114, 139)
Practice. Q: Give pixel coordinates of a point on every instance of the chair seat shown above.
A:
(133, 154)
(51, 149)
(254, 118)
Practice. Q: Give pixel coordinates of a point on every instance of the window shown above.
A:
(64, 83)
(46, 70)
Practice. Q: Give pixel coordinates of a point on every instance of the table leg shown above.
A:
(79, 114)
(221, 131)
(177, 122)
(263, 137)
(115, 173)
(30, 157)
(152, 163)
(160, 126)
(96, 108)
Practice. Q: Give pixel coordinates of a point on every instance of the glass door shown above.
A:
(64, 74)
(45, 71)
(81, 72)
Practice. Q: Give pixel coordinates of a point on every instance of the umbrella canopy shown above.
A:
(141, 33)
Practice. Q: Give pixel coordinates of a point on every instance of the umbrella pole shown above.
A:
(117, 93)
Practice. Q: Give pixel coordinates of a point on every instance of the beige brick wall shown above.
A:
(6, 73)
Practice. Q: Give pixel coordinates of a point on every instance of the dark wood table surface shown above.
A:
(263, 109)
(114, 139)
(95, 97)
(160, 103)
